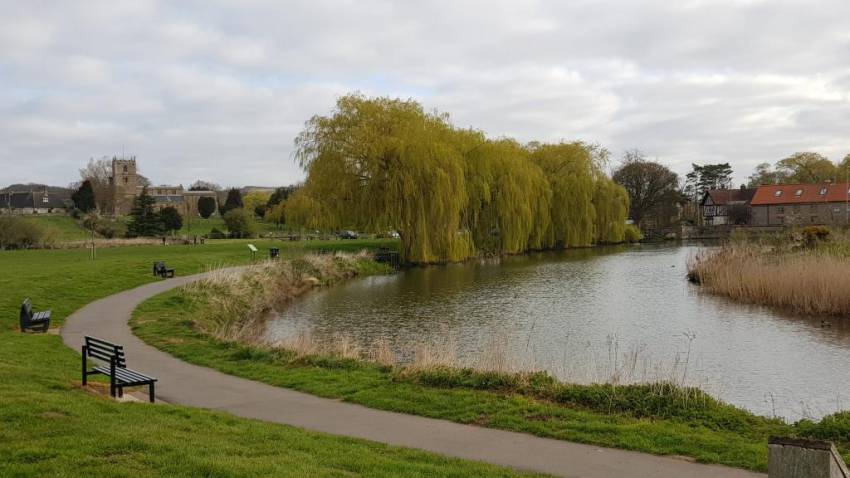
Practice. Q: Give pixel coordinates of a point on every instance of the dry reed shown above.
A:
(806, 282)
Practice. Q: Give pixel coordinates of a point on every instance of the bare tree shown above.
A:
(99, 172)
(652, 187)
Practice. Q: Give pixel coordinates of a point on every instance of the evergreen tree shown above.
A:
(171, 219)
(144, 220)
(206, 206)
(234, 201)
(83, 197)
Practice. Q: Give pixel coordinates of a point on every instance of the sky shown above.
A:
(218, 90)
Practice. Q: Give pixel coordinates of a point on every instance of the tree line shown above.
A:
(381, 164)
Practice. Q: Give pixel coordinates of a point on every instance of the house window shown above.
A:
(780, 209)
(781, 219)
(777, 193)
(798, 192)
(125, 168)
(822, 191)
(813, 207)
(125, 179)
(45, 199)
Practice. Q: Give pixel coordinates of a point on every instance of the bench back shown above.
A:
(26, 310)
(158, 267)
(103, 350)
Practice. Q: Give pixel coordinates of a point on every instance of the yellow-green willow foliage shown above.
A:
(509, 198)
(383, 164)
(379, 164)
(570, 171)
(611, 204)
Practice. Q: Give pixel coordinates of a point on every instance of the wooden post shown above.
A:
(800, 458)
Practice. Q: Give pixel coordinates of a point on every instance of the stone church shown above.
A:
(126, 186)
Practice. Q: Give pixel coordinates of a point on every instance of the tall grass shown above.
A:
(810, 281)
(238, 303)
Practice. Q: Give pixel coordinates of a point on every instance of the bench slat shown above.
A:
(125, 376)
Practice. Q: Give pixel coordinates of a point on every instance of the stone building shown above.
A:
(39, 200)
(801, 204)
(126, 187)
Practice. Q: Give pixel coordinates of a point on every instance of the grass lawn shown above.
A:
(51, 427)
(201, 226)
(630, 418)
(66, 227)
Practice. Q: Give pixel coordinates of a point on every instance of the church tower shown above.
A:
(125, 184)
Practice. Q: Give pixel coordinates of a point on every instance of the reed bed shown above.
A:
(236, 304)
(804, 281)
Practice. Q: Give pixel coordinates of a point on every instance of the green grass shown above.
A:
(201, 226)
(653, 419)
(49, 426)
(65, 227)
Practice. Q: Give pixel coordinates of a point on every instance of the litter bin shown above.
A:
(274, 252)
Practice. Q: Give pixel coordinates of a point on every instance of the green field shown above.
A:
(49, 426)
(200, 226)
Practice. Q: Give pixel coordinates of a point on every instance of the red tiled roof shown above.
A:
(808, 193)
(722, 197)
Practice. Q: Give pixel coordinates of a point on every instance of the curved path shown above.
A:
(183, 383)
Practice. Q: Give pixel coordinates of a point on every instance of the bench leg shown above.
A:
(120, 392)
(85, 375)
(151, 392)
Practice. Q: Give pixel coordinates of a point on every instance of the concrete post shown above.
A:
(799, 458)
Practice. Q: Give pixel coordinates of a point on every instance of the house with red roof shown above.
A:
(801, 204)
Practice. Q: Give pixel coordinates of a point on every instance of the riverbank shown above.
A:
(660, 418)
(53, 427)
(803, 272)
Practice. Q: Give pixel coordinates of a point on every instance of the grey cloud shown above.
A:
(218, 90)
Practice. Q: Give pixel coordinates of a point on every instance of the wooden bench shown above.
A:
(119, 375)
(38, 321)
(160, 270)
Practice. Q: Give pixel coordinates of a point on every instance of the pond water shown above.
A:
(602, 314)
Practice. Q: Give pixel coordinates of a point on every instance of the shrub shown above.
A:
(239, 222)
(16, 233)
(105, 227)
(633, 234)
(814, 234)
(206, 206)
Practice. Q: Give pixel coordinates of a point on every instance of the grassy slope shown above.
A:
(201, 226)
(48, 426)
(67, 229)
(716, 434)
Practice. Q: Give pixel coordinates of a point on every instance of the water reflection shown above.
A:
(584, 314)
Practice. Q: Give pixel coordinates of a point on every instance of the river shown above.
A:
(613, 313)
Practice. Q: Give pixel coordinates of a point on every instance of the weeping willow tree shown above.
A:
(569, 169)
(611, 205)
(508, 210)
(380, 164)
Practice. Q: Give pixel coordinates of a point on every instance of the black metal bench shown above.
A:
(38, 321)
(160, 270)
(119, 375)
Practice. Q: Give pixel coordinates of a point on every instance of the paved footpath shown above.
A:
(183, 383)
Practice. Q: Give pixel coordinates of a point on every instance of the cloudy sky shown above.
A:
(219, 89)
